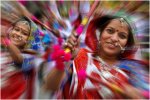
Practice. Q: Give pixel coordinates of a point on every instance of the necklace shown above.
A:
(106, 69)
(104, 64)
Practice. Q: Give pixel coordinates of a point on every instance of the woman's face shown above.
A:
(20, 33)
(115, 34)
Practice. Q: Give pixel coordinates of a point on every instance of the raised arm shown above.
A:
(54, 78)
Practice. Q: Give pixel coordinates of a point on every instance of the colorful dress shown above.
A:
(17, 80)
(14, 76)
(99, 77)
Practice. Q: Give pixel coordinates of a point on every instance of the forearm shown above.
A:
(15, 53)
(53, 80)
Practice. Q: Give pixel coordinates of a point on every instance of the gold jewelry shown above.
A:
(24, 22)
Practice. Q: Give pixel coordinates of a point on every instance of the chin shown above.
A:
(16, 43)
(111, 52)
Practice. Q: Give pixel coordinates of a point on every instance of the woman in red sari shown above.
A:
(18, 50)
(106, 68)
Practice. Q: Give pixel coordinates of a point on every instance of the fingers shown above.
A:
(78, 42)
(72, 41)
(73, 37)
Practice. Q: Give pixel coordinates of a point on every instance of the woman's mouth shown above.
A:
(16, 38)
(112, 45)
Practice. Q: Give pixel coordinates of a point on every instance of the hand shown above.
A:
(73, 43)
(4, 40)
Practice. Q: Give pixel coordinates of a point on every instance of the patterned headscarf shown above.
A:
(34, 41)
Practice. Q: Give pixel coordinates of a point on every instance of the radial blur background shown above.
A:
(138, 11)
(49, 12)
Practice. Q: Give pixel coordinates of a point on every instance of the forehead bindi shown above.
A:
(23, 26)
(119, 26)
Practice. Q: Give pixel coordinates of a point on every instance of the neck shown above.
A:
(111, 60)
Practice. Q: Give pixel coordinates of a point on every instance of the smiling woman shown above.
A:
(112, 37)
(17, 60)
(104, 69)
(20, 33)
(113, 30)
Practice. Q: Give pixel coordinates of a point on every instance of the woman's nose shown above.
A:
(18, 35)
(115, 38)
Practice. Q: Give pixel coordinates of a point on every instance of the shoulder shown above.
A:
(133, 62)
(82, 53)
(83, 50)
(133, 65)
(81, 59)
(138, 73)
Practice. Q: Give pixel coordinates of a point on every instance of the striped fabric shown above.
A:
(13, 83)
(89, 88)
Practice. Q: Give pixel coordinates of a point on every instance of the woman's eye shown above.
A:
(16, 29)
(25, 33)
(110, 31)
(122, 36)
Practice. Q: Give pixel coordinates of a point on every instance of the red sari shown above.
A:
(90, 88)
(13, 82)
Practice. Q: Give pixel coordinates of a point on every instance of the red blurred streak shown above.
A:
(93, 8)
(35, 19)
(5, 22)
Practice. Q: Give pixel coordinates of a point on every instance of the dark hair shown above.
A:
(103, 21)
(100, 23)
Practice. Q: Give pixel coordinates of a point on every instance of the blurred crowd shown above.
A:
(26, 56)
